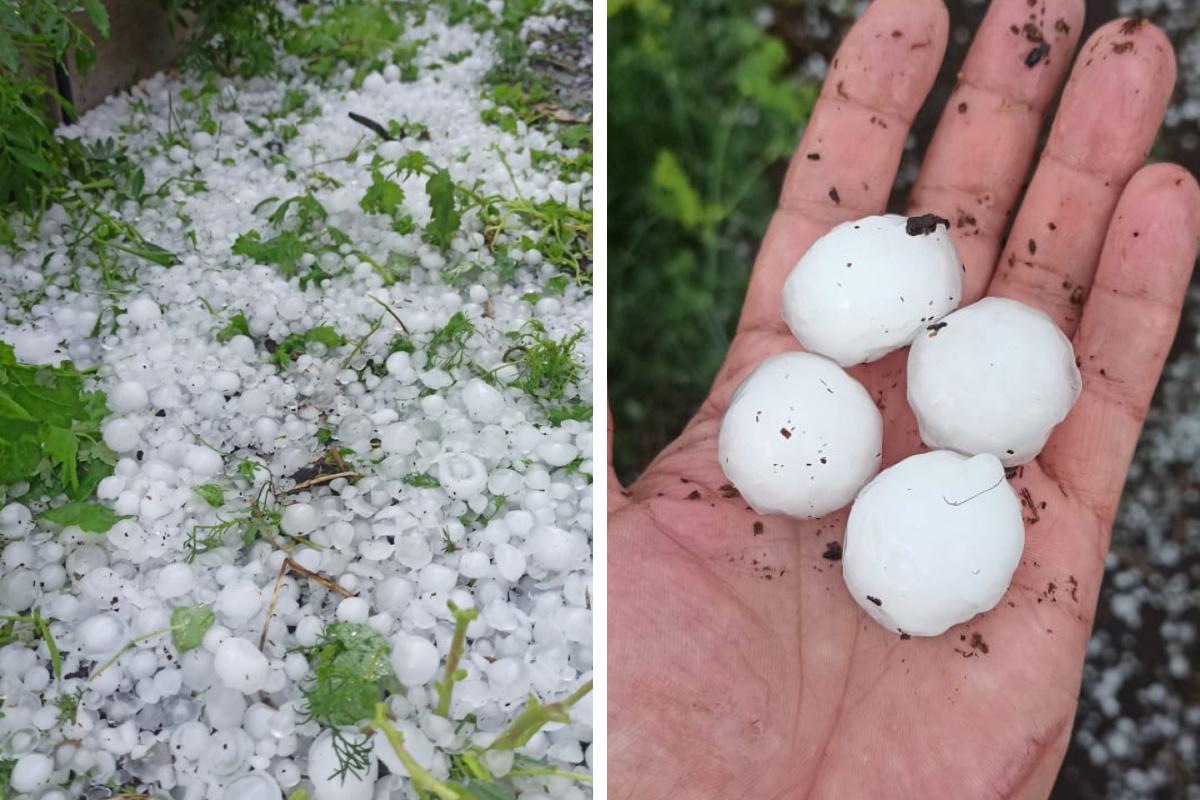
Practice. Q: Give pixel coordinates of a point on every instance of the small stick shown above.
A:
(337, 459)
(317, 481)
(366, 122)
(328, 584)
(388, 309)
(283, 568)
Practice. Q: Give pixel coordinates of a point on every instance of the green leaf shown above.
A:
(62, 448)
(422, 480)
(580, 413)
(284, 250)
(383, 197)
(237, 325)
(98, 16)
(557, 284)
(211, 493)
(446, 219)
(326, 335)
(189, 624)
(8, 52)
(89, 517)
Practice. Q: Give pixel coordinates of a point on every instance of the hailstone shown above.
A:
(994, 377)
(870, 286)
(800, 437)
(933, 541)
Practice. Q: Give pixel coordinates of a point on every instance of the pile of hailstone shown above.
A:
(498, 517)
(935, 539)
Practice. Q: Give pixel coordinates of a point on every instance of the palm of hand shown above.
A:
(739, 664)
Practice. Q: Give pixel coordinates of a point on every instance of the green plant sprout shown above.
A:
(351, 673)
(547, 367)
(50, 437)
(445, 687)
(68, 707)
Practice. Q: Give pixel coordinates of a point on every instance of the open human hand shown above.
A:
(739, 665)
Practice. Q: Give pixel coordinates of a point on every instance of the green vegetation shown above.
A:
(34, 36)
(188, 626)
(235, 37)
(50, 438)
(701, 106)
(350, 680)
(26, 630)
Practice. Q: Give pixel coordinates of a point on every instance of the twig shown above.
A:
(366, 122)
(283, 568)
(388, 309)
(320, 479)
(328, 584)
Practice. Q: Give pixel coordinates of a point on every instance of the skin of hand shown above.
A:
(739, 666)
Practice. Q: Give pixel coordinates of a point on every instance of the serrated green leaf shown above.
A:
(383, 196)
(90, 517)
(62, 448)
(283, 250)
(446, 219)
(211, 493)
(189, 624)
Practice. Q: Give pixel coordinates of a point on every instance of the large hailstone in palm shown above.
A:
(870, 286)
(933, 541)
(994, 377)
(800, 437)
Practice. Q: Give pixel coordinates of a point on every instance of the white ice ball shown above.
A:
(241, 666)
(933, 541)
(800, 437)
(323, 768)
(414, 659)
(32, 771)
(994, 377)
(121, 435)
(127, 397)
(868, 287)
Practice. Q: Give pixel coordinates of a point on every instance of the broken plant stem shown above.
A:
(421, 778)
(534, 717)
(388, 309)
(283, 568)
(321, 579)
(445, 689)
(128, 645)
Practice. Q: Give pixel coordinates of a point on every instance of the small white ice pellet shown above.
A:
(414, 659)
(994, 377)
(175, 580)
(144, 312)
(240, 666)
(800, 437)
(353, 609)
(484, 402)
(869, 286)
(32, 771)
(323, 767)
(127, 397)
(299, 519)
(462, 475)
(121, 435)
(933, 541)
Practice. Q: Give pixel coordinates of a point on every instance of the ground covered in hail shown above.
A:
(296, 426)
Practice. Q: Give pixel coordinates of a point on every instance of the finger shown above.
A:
(1128, 324)
(984, 143)
(1110, 113)
(850, 151)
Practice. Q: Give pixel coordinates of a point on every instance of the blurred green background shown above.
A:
(704, 106)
